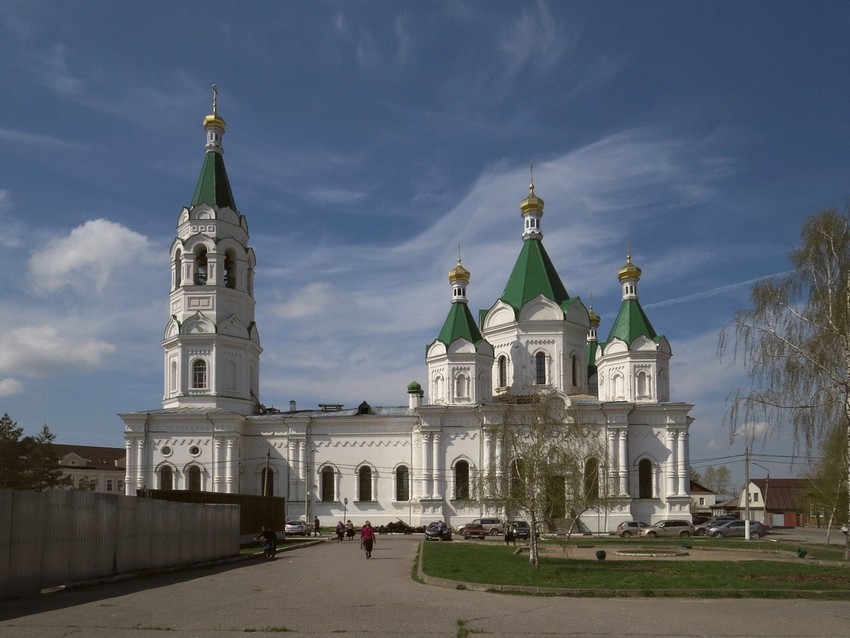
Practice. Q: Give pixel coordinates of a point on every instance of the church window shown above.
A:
(618, 383)
(462, 480)
(199, 374)
(267, 481)
(462, 386)
(328, 482)
(643, 384)
(364, 484)
(173, 377)
(230, 269)
(503, 371)
(194, 478)
(540, 368)
(645, 479)
(166, 478)
(574, 370)
(402, 483)
(178, 268)
(591, 479)
(201, 266)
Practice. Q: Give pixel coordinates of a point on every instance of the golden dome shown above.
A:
(459, 273)
(532, 202)
(629, 271)
(214, 119)
(595, 319)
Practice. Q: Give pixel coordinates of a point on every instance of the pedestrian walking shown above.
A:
(269, 539)
(349, 530)
(316, 526)
(367, 539)
(340, 532)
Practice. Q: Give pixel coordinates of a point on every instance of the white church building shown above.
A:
(414, 462)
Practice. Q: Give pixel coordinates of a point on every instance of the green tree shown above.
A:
(28, 462)
(794, 341)
(717, 479)
(827, 494)
(550, 467)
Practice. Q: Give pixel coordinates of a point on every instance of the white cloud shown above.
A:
(89, 257)
(45, 350)
(10, 386)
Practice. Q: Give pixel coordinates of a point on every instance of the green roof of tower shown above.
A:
(533, 274)
(213, 186)
(631, 323)
(460, 325)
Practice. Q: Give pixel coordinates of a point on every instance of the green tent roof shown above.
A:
(460, 325)
(631, 323)
(533, 274)
(213, 186)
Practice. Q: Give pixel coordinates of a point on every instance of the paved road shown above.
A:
(332, 590)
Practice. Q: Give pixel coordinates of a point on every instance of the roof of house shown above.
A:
(96, 458)
(783, 494)
(700, 489)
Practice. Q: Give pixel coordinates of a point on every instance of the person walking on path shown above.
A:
(316, 526)
(367, 538)
(340, 532)
(269, 539)
(349, 530)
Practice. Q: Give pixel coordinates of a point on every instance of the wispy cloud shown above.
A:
(10, 386)
(719, 290)
(36, 139)
(42, 350)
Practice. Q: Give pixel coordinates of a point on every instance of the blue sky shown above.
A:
(365, 141)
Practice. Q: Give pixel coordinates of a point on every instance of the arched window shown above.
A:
(327, 483)
(645, 479)
(199, 374)
(642, 384)
(194, 478)
(166, 478)
(618, 383)
(230, 269)
(364, 484)
(267, 481)
(574, 370)
(201, 265)
(591, 479)
(540, 368)
(402, 483)
(173, 377)
(178, 268)
(503, 371)
(462, 480)
(462, 386)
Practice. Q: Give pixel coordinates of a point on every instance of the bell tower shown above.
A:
(211, 343)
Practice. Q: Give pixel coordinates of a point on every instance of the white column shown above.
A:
(302, 469)
(624, 462)
(613, 465)
(131, 469)
(291, 488)
(216, 465)
(140, 463)
(682, 462)
(487, 460)
(230, 468)
(374, 484)
(500, 462)
(426, 464)
(436, 465)
(671, 464)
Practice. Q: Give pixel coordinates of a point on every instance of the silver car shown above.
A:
(668, 528)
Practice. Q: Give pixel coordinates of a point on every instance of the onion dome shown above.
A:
(595, 319)
(414, 388)
(531, 203)
(629, 271)
(459, 273)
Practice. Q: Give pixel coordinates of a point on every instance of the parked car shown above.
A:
(737, 528)
(438, 531)
(629, 528)
(844, 529)
(295, 527)
(700, 530)
(474, 529)
(668, 528)
(492, 525)
(521, 529)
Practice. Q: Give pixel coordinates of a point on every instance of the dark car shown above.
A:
(630, 528)
(701, 529)
(737, 528)
(438, 531)
(474, 529)
(520, 529)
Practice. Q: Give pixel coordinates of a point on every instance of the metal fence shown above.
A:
(52, 538)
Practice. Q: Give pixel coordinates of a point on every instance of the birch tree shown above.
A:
(794, 341)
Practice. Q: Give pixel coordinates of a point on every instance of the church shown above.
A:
(416, 462)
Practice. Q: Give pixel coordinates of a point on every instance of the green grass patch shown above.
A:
(497, 566)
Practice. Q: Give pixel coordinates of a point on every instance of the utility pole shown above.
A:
(747, 491)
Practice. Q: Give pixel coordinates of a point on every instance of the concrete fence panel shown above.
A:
(51, 538)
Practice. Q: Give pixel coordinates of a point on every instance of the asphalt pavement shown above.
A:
(331, 589)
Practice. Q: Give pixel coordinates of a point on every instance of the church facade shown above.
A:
(417, 462)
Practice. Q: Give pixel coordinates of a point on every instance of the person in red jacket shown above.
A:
(367, 538)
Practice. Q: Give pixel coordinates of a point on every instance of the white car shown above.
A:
(296, 527)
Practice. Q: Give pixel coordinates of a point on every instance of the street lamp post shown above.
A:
(345, 509)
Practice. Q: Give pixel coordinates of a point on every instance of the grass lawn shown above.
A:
(498, 565)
